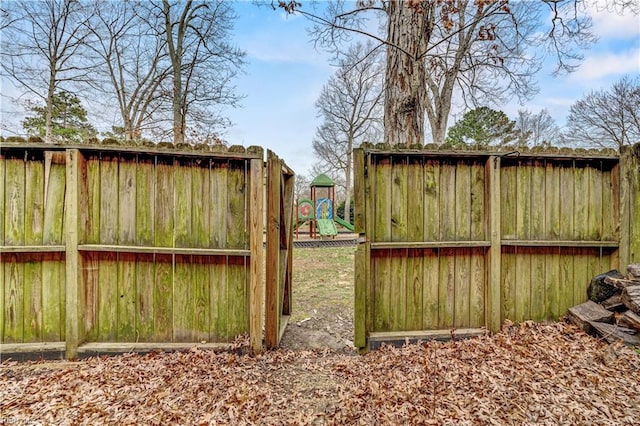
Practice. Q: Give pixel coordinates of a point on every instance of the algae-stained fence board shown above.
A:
(441, 231)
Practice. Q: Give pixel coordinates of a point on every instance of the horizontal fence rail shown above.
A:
(465, 240)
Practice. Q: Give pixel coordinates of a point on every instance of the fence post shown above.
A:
(630, 206)
(256, 287)
(272, 297)
(492, 195)
(362, 252)
(73, 286)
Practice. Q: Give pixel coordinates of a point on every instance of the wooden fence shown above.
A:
(456, 242)
(110, 247)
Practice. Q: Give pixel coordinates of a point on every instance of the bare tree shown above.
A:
(536, 129)
(132, 58)
(40, 48)
(202, 61)
(607, 118)
(350, 106)
(435, 49)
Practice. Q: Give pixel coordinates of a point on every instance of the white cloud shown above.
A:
(597, 67)
(619, 24)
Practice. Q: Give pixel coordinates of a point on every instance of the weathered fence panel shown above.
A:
(465, 240)
(111, 245)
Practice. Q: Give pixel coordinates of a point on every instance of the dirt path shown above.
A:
(322, 300)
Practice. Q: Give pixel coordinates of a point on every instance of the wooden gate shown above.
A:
(280, 194)
(457, 242)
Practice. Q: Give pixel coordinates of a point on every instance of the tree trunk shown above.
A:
(48, 135)
(405, 86)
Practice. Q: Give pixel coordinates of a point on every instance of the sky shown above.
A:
(285, 74)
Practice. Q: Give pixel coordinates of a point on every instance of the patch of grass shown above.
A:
(322, 281)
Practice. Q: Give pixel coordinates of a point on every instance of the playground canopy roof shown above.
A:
(323, 181)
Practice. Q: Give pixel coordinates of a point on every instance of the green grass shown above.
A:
(322, 281)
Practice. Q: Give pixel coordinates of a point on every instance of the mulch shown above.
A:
(527, 374)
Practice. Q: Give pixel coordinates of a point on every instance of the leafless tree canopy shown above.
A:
(162, 67)
(41, 47)
(350, 106)
(537, 129)
(484, 51)
(607, 118)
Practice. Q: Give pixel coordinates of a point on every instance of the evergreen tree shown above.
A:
(482, 127)
(69, 119)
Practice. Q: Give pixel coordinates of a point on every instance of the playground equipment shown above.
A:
(318, 211)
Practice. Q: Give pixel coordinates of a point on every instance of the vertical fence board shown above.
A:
(13, 299)
(431, 204)
(566, 278)
(144, 298)
(107, 269)
(53, 309)
(218, 176)
(34, 200)
(446, 290)
(183, 202)
(218, 301)
(493, 192)
(566, 201)
(462, 195)
(183, 299)
(200, 283)
(398, 290)
(430, 292)
(237, 296)
(236, 205)
(609, 212)
(145, 236)
(462, 277)
(509, 282)
(256, 226)
(415, 232)
(33, 221)
(15, 199)
(163, 291)
(508, 201)
(201, 217)
(478, 207)
(477, 287)
(448, 201)
(594, 204)
(581, 199)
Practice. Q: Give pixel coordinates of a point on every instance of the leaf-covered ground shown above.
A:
(527, 374)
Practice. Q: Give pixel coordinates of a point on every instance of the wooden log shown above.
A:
(614, 303)
(631, 298)
(614, 334)
(633, 271)
(629, 319)
(620, 283)
(585, 314)
(599, 290)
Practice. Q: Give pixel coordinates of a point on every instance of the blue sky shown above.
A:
(285, 74)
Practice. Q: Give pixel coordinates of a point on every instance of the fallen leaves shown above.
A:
(527, 374)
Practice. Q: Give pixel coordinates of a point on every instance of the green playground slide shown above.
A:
(326, 228)
(343, 223)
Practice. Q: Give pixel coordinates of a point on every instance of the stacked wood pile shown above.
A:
(613, 309)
